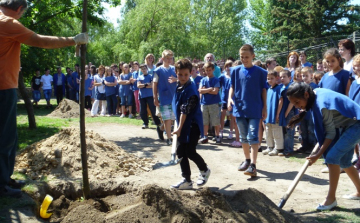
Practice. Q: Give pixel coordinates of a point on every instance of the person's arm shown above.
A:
(313, 158)
(281, 102)
(97, 83)
(230, 99)
(53, 42)
(214, 90)
(181, 124)
(172, 79)
(204, 90)
(348, 87)
(290, 106)
(186, 109)
(155, 94)
(264, 110)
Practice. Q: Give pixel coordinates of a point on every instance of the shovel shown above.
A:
(296, 180)
(173, 160)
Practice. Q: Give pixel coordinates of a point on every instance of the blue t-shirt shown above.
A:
(225, 83)
(354, 92)
(135, 75)
(272, 103)
(337, 82)
(110, 90)
(217, 71)
(69, 80)
(286, 102)
(75, 76)
(88, 84)
(166, 90)
(125, 90)
(209, 99)
(197, 80)
(307, 64)
(145, 92)
(248, 84)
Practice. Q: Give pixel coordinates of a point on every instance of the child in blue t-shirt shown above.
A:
(274, 134)
(125, 90)
(110, 91)
(209, 91)
(164, 84)
(354, 94)
(89, 85)
(337, 79)
(195, 77)
(248, 86)
(225, 83)
(302, 57)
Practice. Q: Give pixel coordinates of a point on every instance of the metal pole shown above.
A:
(86, 185)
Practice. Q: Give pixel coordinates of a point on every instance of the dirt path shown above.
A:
(275, 174)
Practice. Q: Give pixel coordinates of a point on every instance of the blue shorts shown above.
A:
(47, 94)
(36, 95)
(249, 130)
(127, 100)
(343, 150)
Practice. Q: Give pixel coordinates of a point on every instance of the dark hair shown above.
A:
(270, 60)
(142, 65)
(334, 53)
(37, 69)
(302, 53)
(158, 64)
(68, 68)
(273, 73)
(183, 64)
(288, 73)
(349, 45)
(46, 69)
(247, 47)
(297, 90)
(77, 65)
(237, 63)
(14, 4)
(209, 64)
(93, 67)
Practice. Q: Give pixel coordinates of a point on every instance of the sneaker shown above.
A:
(203, 177)
(251, 171)
(235, 144)
(130, 116)
(160, 133)
(243, 166)
(218, 140)
(203, 140)
(267, 151)
(169, 142)
(7, 191)
(354, 159)
(183, 185)
(274, 152)
(230, 135)
(122, 116)
(145, 126)
(214, 138)
(221, 134)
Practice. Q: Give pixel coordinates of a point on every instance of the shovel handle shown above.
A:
(174, 140)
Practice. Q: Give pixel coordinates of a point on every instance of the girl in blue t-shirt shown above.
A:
(125, 91)
(225, 84)
(110, 91)
(337, 79)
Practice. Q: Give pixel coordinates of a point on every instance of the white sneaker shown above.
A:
(183, 185)
(203, 177)
(230, 135)
(130, 116)
(122, 116)
(325, 170)
(354, 159)
(267, 151)
(274, 152)
(221, 134)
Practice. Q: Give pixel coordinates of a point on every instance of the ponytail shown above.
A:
(298, 90)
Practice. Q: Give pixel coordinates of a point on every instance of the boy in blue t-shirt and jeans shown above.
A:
(164, 84)
(248, 86)
(210, 98)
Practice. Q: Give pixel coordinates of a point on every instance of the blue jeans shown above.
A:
(8, 134)
(307, 133)
(127, 100)
(36, 95)
(111, 104)
(343, 150)
(47, 94)
(249, 130)
(289, 135)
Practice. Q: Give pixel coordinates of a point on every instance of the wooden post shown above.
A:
(86, 185)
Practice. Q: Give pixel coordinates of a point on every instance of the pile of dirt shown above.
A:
(155, 204)
(67, 109)
(60, 156)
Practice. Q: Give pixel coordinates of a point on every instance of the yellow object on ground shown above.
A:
(44, 207)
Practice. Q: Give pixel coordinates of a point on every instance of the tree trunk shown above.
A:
(28, 105)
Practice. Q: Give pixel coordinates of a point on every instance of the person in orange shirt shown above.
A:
(12, 35)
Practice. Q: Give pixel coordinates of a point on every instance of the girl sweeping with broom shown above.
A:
(332, 113)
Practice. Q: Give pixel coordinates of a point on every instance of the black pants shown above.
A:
(67, 92)
(59, 93)
(188, 151)
(88, 102)
(143, 110)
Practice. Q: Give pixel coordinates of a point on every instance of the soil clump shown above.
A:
(68, 109)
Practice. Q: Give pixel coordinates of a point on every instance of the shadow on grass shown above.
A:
(336, 215)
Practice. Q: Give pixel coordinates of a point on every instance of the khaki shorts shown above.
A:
(211, 114)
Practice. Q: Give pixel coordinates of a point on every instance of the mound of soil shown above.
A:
(67, 109)
(155, 204)
(60, 156)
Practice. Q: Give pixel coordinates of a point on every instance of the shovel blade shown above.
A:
(170, 163)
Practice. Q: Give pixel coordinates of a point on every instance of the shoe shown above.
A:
(230, 135)
(7, 191)
(274, 152)
(108, 115)
(301, 150)
(221, 134)
(160, 133)
(287, 154)
(214, 138)
(203, 177)
(92, 115)
(267, 151)
(243, 166)
(321, 207)
(183, 185)
(351, 197)
(251, 171)
(354, 159)
(122, 116)
(325, 170)
(235, 144)
(260, 149)
(203, 140)
(281, 154)
(218, 140)
(102, 115)
(130, 116)
(169, 142)
(145, 126)
(16, 184)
